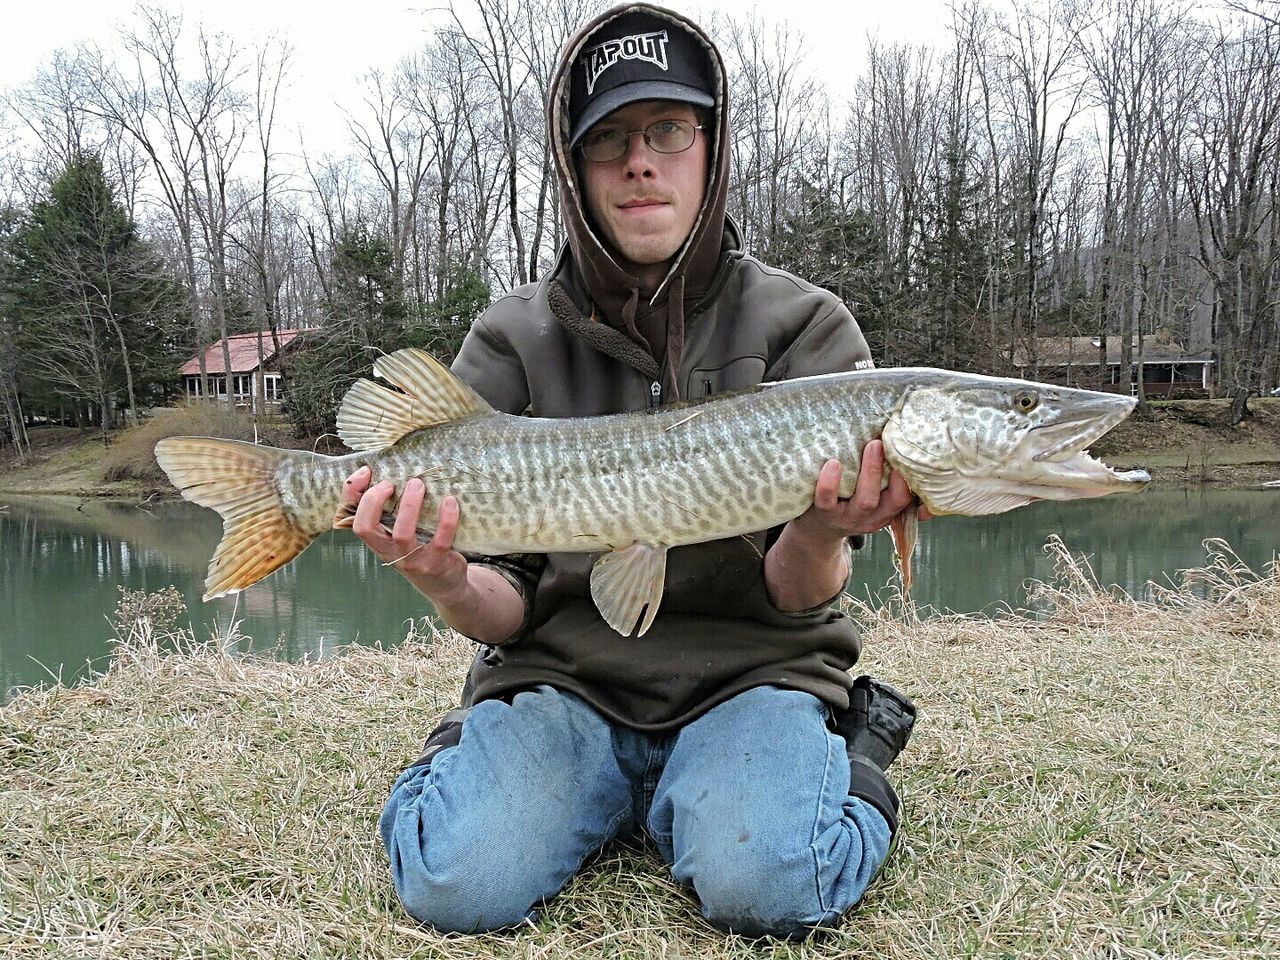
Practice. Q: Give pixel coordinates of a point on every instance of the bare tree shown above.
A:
(775, 103)
(1041, 93)
(1231, 176)
(399, 152)
(271, 64)
(191, 127)
(497, 47)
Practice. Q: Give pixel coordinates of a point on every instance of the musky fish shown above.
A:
(630, 486)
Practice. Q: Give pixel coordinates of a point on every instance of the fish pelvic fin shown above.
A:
(373, 416)
(627, 581)
(239, 481)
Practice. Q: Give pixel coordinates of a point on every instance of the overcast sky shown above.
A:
(333, 44)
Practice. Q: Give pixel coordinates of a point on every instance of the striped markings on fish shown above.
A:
(631, 486)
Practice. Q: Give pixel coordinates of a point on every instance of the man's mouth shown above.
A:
(643, 202)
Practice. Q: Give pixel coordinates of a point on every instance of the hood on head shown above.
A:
(616, 295)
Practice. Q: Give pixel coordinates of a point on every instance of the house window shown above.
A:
(272, 387)
(242, 385)
(1188, 373)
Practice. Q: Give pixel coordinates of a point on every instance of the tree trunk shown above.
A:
(1240, 406)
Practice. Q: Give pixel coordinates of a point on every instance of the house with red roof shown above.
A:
(251, 353)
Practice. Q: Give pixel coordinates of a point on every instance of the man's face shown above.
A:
(645, 202)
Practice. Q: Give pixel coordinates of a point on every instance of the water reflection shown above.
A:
(61, 563)
(970, 564)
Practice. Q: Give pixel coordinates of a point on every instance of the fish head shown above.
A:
(978, 445)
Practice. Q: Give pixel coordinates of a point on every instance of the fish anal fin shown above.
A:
(627, 581)
(373, 416)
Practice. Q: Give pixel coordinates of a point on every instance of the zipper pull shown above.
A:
(655, 393)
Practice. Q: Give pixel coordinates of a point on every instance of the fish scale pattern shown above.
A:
(733, 464)
(680, 475)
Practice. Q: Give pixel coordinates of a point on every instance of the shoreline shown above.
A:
(1182, 444)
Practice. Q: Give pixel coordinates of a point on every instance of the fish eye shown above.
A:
(1026, 400)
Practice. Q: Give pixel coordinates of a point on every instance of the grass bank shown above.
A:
(70, 462)
(1192, 442)
(1103, 781)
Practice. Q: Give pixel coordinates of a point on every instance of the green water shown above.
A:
(61, 565)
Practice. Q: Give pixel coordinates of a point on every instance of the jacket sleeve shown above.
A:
(490, 365)
(832, 342)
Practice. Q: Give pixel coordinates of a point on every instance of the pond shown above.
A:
(62, 563)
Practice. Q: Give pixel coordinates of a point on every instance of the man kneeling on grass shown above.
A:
(732, 733)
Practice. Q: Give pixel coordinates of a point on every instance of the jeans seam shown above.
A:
(649, 780)
(813, 831)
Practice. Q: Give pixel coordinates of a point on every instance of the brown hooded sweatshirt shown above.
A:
(588, 341)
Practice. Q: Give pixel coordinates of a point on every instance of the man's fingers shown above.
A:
(826, 495)
(355, 486)
(405, 530)
(368, 518)
(897, 496)
(447, 525)
(866, 494)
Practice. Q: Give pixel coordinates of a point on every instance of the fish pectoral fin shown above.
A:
(973, 499)
(905, 531)
(626, 581)
(373, 416)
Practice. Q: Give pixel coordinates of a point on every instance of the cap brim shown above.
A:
(619, 97)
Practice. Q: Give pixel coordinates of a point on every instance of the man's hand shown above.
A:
(435, 568)
(808, 564)
(868, 510)
(476, 601)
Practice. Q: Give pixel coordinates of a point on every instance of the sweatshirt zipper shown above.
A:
(655, 394)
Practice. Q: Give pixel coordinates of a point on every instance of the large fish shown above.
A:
(631, 486)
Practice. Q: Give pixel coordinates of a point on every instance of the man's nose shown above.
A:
(639, 156)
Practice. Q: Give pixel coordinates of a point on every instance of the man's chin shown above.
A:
(647, 255)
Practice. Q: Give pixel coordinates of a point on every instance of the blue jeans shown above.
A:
(749, 805)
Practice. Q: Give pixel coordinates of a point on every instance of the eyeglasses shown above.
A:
(661, 136)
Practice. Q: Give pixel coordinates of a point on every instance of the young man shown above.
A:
(731, 733)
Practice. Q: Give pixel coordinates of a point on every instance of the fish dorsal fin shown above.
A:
(373, 416)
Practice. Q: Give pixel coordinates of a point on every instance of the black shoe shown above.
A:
(875, 727)
(867, 782)
(877, 724)
(447, 734)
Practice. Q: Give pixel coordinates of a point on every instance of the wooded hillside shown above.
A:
(1108, 170)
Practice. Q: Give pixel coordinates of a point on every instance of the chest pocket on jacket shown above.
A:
(738, 374)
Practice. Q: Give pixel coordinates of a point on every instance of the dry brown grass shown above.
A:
(1102, 780)
(131, 455)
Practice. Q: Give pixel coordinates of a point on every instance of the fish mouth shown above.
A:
(1068, 438)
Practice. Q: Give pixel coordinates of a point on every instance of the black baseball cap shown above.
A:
(637, 56)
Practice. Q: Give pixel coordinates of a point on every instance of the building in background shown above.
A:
(1168, 369)
(247, 357)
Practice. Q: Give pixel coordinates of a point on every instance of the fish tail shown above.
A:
(239, 481)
